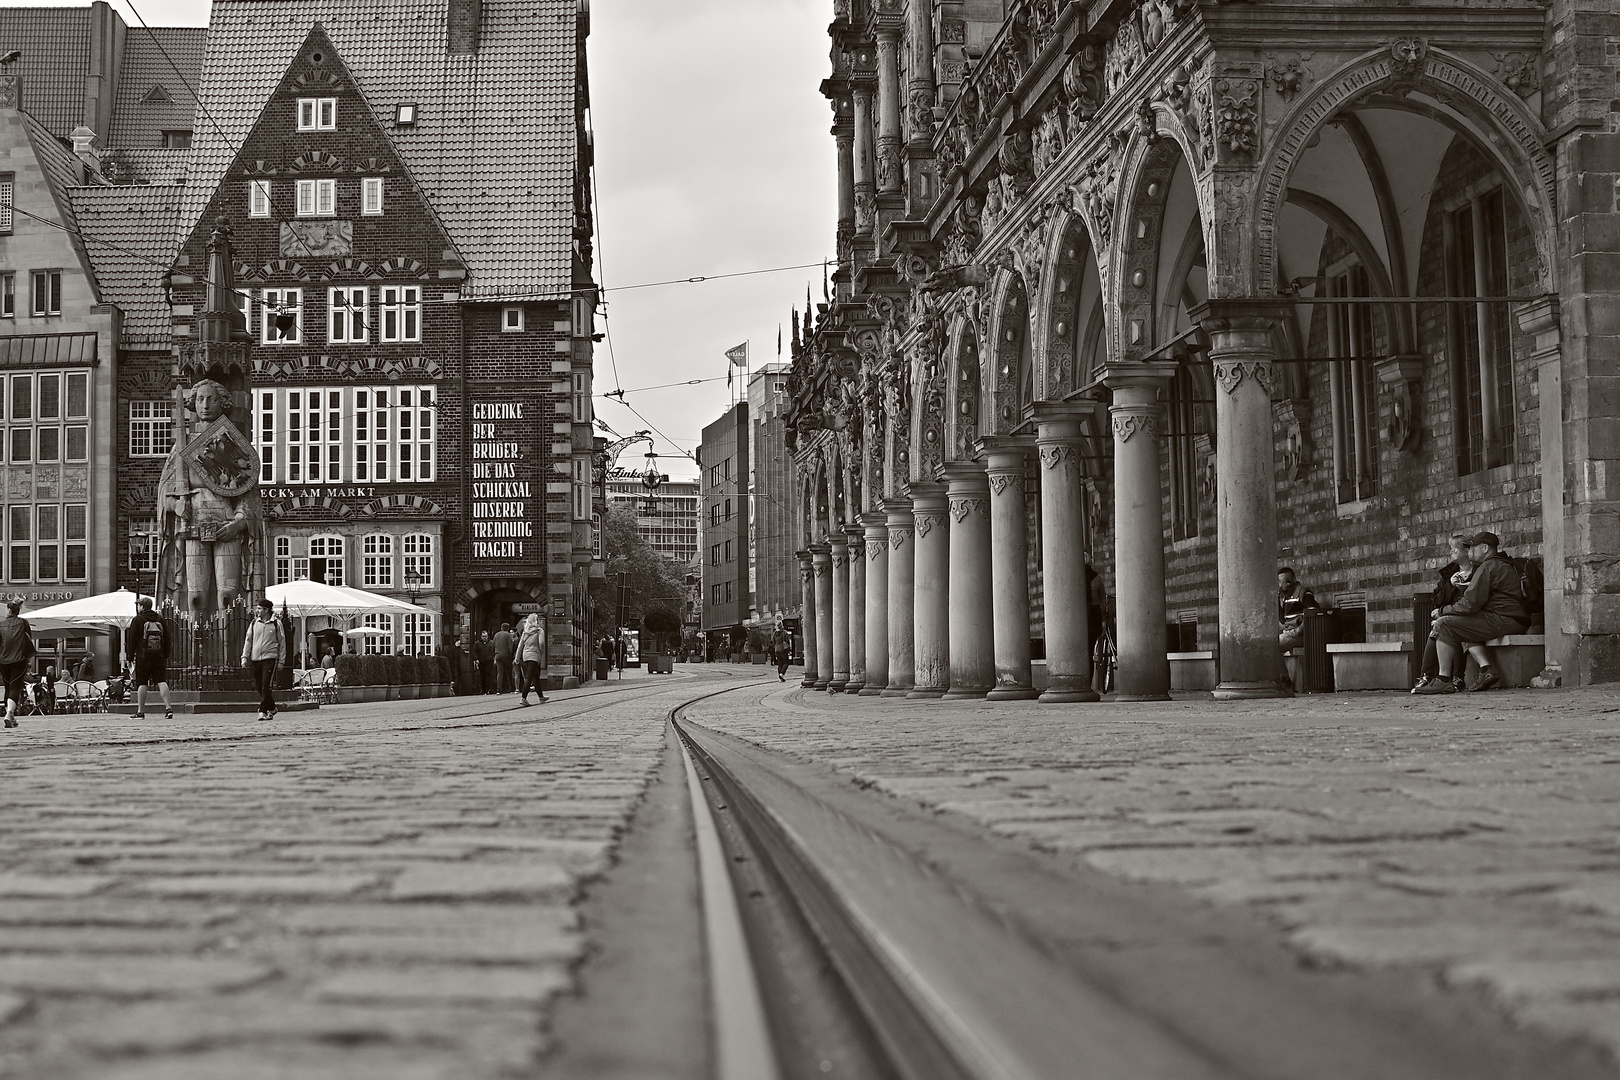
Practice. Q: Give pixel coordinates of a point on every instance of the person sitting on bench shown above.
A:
(1492, 606)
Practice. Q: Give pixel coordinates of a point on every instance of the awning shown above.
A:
(48, 350)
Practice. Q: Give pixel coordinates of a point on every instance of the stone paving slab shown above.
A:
(1474, 836)
(386, 890)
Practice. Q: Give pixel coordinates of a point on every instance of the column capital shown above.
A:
(1241, 313)
(1059, 421)
(874, 520)
(958, 473)
(1141, 374)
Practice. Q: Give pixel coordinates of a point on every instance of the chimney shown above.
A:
(11, 92)
(84, 146)
(463, 26)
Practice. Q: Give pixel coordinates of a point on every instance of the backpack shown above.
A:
(1531, 584)
(152, 635)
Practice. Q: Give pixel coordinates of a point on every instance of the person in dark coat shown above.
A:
(16, 651)
(1451, 581)
(1492, 606)
(505, 650)
(484, 655)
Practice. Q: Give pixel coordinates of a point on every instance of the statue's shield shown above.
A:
(222, 459)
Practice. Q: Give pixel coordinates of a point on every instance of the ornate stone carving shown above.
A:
(1000, 482)
(1294, 417)
(1519, 72)
(1094, 198)
(926, 523)
(961, 508)
(888, 165)
(1404, 377)
(1128, 424)
(1287, 75)
(1235, 97)
(897, 536)
(822, 569)
(874, 551)
(1408, 57)
(1230, 374)
(1060, 455)
(1083, 88)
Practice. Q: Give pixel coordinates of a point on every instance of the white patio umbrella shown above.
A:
(303, 598)
(100, 613)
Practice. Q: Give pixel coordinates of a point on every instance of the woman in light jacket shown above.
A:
(531, 656)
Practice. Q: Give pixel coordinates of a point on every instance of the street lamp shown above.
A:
(413, 584)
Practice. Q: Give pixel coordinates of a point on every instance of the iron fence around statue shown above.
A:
(205, 653)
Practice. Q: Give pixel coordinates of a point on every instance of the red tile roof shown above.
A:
(140, 117)
(55, 45)
(136, 227)
(494, 145)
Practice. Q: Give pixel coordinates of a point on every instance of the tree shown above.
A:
(650, 578)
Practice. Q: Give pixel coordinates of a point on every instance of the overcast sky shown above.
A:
(712, 157)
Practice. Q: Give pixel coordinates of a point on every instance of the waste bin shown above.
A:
(1315, 666)
(602, 667)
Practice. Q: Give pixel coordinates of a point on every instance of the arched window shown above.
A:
(326, 560)
(418, 552)
(377, 561)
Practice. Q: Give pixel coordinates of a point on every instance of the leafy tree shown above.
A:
(651, 580)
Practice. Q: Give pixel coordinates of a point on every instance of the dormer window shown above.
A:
(405, 114)
(317, 114)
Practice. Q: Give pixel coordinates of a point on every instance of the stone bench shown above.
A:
(1192, 670)
(1518, 658)
(1371, 665)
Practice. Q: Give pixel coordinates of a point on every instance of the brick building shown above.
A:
(405, 192)
(1190, 291)
(773, 569)
(723, 458)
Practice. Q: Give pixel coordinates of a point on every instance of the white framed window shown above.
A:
(418, 635)
(258, 198)
(371, 195)
(151, 429)
(47, 292)
(343, 434)
(283, 560)
(380, 643)
(377, 561)
(47, 542)
(317, 114)
(511, 320)
(8, 296)
(417, 551)
(283, 316)
(46, 417)
(348, 308)
(144, 544)
(326, 560)
(402, 313)
(317, 198)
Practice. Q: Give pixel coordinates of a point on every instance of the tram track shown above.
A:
(884, 943)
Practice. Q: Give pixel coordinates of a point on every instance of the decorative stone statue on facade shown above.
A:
(209, 513)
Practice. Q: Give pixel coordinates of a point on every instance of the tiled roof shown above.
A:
(139, 221)
(55, 45)
(140, 117)
(493, 148)
(60, 164)
(152, 166)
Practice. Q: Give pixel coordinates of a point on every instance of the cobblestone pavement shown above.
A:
(385, 890)
(1476, 835)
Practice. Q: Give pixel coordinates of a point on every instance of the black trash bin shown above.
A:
(602, 667)
(1315, 665)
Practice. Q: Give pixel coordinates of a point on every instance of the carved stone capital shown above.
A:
(1127, 424)
(961, 508)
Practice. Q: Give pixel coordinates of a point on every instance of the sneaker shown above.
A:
(525, 701)
(1423, 680)
(140, 716)
(11, 721)
(781, 678)
(1437, 686)
(1488, 679)
(169, 715)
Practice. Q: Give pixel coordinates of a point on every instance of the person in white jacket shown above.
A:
(262, 650)
(531, 657)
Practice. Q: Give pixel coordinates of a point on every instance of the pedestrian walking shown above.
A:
(505, 650)
(531, 656)
(262, 650)
(782, 651)
(150, 637)
(16, 652)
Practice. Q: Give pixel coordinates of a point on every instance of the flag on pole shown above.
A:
(779, 341)
(739, 354)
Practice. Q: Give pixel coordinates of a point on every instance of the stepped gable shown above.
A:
(494, 145)
(152, 96)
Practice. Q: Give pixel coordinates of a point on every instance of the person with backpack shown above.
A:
(151, 646)
(16, 651)
(263, 647)
(1493, 605)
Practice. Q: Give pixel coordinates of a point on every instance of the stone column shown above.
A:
(1241, 349)
(888, 148)
(821, 556)
(931, 631)
(865, 193)
(840, 612)
(1144, 669)
(1541, 318)
(807, 615)
(920, 70)
(971, 601)
(1006, 463)
(1063, 573)
(902, 529)
(845, 138)
(857, 609)
(877, 605)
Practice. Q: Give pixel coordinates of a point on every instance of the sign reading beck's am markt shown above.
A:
(507, 498)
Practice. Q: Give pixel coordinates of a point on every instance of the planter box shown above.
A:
(759, 658)
(409, 693)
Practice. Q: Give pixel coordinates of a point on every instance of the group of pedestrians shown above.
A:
(505, 662)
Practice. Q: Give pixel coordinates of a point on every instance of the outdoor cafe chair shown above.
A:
(87, 697)
(65, 701)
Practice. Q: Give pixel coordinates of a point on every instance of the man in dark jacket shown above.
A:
(1492, 606)
(149, 639)
(1294, 601)
(16, 650)
(1450, 584)
(484, 657)
(505, 649)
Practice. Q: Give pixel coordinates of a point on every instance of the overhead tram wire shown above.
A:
(596, 230)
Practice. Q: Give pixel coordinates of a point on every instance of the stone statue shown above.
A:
(209, 514)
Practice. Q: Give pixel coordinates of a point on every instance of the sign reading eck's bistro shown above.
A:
(508, 499)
